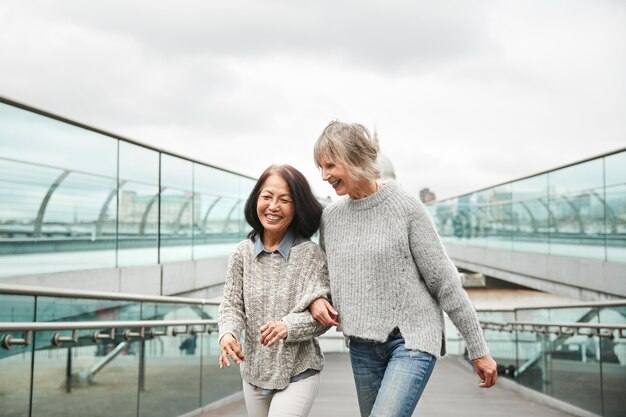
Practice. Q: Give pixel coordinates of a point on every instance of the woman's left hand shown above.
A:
(272, 332)
(487, 370)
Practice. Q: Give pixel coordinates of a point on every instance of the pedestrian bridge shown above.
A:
(145, 220)
(111, 262)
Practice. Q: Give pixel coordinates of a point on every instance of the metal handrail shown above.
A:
(582, 304)
(8, 341)
(54, 292)
(584, 329)
(91, 325)
(611, 303)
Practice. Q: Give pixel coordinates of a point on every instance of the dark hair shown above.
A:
(307, 210)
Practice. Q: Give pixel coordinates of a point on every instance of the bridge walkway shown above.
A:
(452, 392)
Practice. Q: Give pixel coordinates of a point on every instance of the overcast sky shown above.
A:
(463, 94)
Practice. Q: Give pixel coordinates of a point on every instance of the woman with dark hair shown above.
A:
(272, 278)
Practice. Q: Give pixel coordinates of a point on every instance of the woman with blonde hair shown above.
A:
(390, 279)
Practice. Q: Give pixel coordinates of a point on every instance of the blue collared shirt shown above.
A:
(289, 241)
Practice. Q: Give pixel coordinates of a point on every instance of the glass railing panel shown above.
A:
(72, 380)
(23, 188)
(176, 208)
(216, 383)
(55, 212)
(576, 211)
(502, 345)
(530, 350)
(584, 369)
(531, 219)
(573, 315)
(177, 211)
(531, 370)
(216, 193)
(612, 354)
(56, 143)
(573, 372)
(478, 217)
(573, 367)
(461, 220)
(500, 217)
(232, 223)
(171, 384)
(217, 225)
(15, 362)
(554, 315)
(85, 206)
(138, 226)
(578, 224)
(541, 315)
(22, 191)
(615, 203)
(443, 216)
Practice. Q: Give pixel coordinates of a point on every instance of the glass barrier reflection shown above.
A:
(72, 199)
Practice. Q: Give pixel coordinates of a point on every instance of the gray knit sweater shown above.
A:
(388, 268)
(268, 287)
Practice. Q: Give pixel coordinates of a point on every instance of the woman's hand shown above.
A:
(229, 347)
(487, 370)
(272, 332)
(322, 310)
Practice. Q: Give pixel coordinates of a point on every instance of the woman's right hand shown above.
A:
(322, 310)
(229, 347)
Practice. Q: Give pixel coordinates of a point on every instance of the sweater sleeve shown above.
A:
(442, 279)
(231, 312)
(300, 324)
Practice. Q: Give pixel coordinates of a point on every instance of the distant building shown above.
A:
(426, 195)
(386, 167)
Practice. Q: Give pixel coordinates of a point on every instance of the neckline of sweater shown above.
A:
(373, 200)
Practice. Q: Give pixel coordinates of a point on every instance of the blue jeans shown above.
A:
(389, 378)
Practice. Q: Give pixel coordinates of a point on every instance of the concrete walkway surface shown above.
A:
(451, 392)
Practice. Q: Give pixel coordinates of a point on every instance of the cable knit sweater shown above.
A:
(388, 269)
(268, 287)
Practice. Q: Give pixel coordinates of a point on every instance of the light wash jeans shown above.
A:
(389, 378)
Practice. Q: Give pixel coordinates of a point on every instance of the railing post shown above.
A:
(142, 366)
(68, 371)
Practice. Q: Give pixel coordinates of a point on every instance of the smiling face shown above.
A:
(274, 207)
(336, 174)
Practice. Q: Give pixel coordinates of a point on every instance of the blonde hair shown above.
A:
(350, 144)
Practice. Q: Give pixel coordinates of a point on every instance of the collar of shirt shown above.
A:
(289, 241)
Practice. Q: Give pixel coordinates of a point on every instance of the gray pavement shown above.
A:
(452, 391)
